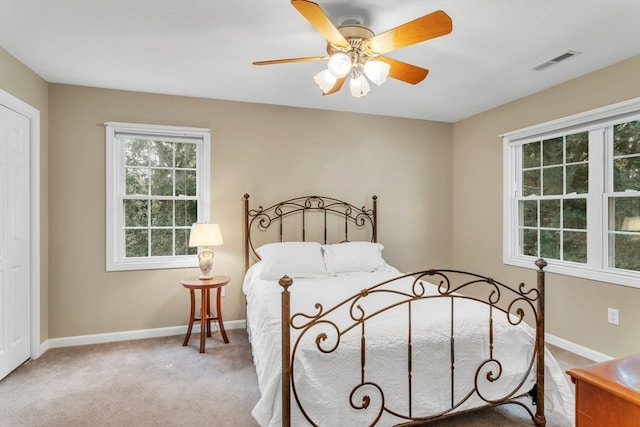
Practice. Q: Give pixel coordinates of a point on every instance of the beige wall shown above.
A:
(275, 152)
(576, 308)
(269, 152)
(24, 84)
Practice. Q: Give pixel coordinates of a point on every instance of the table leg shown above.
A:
(219, 316)
(208, 312)
(203, 319)
(191, 316)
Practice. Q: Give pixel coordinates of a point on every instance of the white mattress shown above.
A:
(324, 382)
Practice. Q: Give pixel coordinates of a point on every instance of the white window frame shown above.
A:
(115, 188)
(593, 121)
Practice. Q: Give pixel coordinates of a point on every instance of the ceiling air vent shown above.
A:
(558, 59)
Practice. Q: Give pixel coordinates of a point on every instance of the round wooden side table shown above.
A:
(205, 286)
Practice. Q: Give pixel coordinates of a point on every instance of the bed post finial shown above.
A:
(539, 419)
(285, 282)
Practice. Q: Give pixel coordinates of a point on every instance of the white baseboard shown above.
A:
(241, 324)
(596, 356)
(129, 335)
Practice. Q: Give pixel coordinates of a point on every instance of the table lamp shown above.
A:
(205, 235)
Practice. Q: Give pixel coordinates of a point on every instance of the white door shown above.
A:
(15, 291)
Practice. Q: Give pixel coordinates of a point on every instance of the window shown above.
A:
(157, 187)
(572, 195)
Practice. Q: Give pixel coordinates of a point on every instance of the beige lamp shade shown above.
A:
(631, 223)
(203, 234)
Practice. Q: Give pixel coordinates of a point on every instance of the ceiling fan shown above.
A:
(356, 52)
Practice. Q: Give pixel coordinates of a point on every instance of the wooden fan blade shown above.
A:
(321, 21)
(284, 61)
(430, 26)
(336, 87)
(402, 71)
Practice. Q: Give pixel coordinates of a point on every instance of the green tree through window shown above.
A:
(160, 200)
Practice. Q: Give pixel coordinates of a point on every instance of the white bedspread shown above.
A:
(328, 383)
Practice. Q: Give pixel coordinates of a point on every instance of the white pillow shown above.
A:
(294, 259)
(350, 257)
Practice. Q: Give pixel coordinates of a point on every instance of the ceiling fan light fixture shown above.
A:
(339, 64)
(359, 86)
(326, 80)
(354, 50)
(376, 71)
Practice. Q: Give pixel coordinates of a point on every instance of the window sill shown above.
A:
(578, 270)
(190, 261)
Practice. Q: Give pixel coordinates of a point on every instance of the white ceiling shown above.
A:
(205, 48)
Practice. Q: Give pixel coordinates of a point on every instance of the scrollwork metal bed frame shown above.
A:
(513, 302)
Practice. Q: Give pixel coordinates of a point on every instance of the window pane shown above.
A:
(552, 151)
(161, 242)
(185, 183)
(162, 182)
(578, 179)
(137, 152)
(136, 243)
(626, 138)
(626, 249)
(577, 147)
(550, 244)
(531, 155)
(531, 182)
(626, 174)
(625, 213)
(162, 213)
(161, 154)
(529, 213)
(575, 246)
(550, 213)
(574, 214)
(137, 181)
(624, 242)
(186, 212)
(552, 181)
(182, 242)
(186, 155)
(529, 239)
(135, 213)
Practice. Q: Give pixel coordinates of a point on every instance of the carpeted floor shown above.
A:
(158, 382)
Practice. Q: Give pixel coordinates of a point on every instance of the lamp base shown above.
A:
(205, 261)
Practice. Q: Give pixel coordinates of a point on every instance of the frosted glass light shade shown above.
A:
(359, 86)
(339, 64)
(376, 71)
(325, 80)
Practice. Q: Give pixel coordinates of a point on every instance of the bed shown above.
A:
(340, 337)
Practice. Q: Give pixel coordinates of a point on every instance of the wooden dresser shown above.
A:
(608, 393)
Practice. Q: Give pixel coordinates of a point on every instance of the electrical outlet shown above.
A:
(613, 316)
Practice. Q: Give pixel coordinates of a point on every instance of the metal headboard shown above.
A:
(350, 218)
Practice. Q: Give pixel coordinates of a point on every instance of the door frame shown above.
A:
(33, 115)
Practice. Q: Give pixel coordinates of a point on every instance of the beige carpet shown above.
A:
(158, 382)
